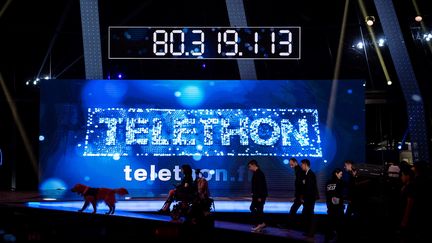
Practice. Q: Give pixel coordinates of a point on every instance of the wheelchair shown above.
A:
(195, 207)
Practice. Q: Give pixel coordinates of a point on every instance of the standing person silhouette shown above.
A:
(310, 195)
(335, 206)
(298, 200)
(352, 194)
(259, 195)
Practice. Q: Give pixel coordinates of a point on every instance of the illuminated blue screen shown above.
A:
(137, 133)
(204, 132)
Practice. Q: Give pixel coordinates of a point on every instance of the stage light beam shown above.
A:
(336, 72)
(375, 43)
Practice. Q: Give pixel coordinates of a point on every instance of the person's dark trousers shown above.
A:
(293, 212)
(307, 215)
(334, 222)
(294, 208)
(257, 209)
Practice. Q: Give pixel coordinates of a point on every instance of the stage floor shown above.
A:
(154, 216)
(145, 211)
(222, 204)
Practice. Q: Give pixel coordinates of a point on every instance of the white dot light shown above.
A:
(370, 20)
(416, 97)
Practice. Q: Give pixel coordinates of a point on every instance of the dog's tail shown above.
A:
(121, 191)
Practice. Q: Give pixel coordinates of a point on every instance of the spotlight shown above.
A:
(389, 82)
(359, 45)
(120, 75)
(381, 42)
(418, 18)
(370, 20)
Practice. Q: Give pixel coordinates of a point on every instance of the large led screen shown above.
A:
(137, 133)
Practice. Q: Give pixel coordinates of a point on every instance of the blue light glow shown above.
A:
(197, 156)
(103, 91)
(192, 96)
(52, 184)
(53, 187)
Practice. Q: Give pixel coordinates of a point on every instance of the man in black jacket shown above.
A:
(298, 200)
(259, 195)
(297, 186)
(310, 195)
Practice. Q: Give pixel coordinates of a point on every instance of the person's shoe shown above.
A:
(257, 231)
(163, 211)
(259, 227)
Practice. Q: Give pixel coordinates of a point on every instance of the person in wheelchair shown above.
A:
(201, 206)
(185, 191)
(193, 200)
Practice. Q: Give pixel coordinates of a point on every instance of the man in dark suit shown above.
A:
(310, 195)
(259, 195)
(298, 201)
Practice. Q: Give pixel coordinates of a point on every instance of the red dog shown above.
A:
(94, 195)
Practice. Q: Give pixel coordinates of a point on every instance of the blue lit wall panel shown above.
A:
(137, 133)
